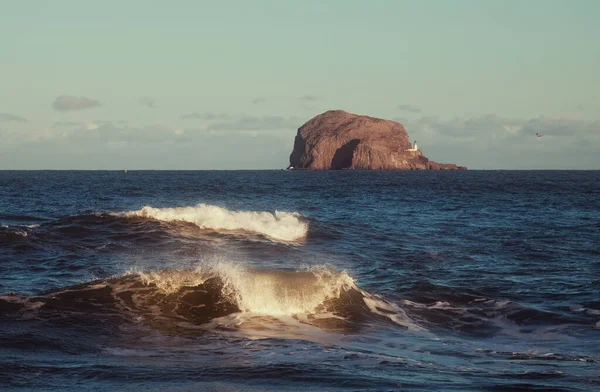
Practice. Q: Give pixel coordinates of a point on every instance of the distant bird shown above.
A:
(538, 135)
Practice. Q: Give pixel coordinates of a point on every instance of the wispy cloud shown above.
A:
(66, 103)
(309, 98)
(490, 124)
(106, 132)
(148, 102)
(89, 125)
(563, 126)
(6, 117)
(252, 123)
(259, 100)
(109, 147)
(210, 116)
(409, 108)
(497, 142)
(230, 140)
(229, 122)
(68, 124)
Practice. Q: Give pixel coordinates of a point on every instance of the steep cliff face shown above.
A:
(340, 140)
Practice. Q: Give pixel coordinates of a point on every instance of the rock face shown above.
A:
(340, 140)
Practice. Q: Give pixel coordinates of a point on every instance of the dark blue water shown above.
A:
(299, 280)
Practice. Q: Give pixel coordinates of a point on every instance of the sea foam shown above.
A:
(283, 226)
(279, 293)
(266, 292)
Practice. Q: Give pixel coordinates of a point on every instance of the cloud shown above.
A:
(89, 125)
(110, 132)
(497, 142)
(209, 116)
(68, 124)
(115, 122)
(309, 98)
(492, 124)
(258, 100)
(474, 126)
(409, 108)
(234, 140)
(244, 122)
(251, 123)
(148, 102)
(562, 126)
(6, 117)
(148, 147)
(66, 103)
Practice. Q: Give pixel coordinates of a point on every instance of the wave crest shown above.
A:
(283, 226)
(266, 292)
(216, 297)
(318, 291)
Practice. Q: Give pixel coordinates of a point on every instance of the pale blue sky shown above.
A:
(225, 85)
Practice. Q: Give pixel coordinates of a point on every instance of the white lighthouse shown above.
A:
(414, 147)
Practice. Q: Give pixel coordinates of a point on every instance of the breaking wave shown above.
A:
(283, 226)
(8, 233)
(195, 298)
(317, 290)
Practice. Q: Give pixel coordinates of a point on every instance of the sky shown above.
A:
(226, 84)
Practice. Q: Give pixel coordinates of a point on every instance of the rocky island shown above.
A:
(340, 140)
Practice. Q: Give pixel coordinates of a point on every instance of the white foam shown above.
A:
(170, 281)
(22, 233)
(576, 308)
(393, 312)
(277, 293)
(283, 293)
(284, 226)
(261, 292)
(16, 230)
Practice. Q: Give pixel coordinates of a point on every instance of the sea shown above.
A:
(300, 280)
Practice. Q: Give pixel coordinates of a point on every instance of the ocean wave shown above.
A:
(200, 297)
(487, 317)
(315, 291)
(283, 226)
(265, 292)
(14, 233)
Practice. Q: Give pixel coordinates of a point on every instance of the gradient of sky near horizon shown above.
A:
(224, 85)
